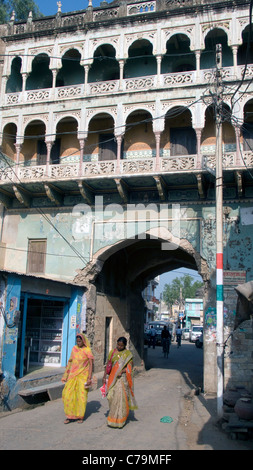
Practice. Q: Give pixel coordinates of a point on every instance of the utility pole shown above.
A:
(219, 235)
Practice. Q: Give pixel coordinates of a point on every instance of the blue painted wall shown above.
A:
(10, 329)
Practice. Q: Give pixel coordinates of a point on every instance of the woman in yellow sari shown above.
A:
(120, 393)
(78, 379)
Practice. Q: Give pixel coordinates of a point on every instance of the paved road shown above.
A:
(165, 389)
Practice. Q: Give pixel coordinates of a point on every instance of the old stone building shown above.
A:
(108, 156)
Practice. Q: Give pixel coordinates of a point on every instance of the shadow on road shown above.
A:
(187, 359)
(199, 413)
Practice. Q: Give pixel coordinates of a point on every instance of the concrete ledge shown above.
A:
(50, 388)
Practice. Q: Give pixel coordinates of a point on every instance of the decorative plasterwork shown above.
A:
(9, 120)
(112, 111)
(151, 36)
(112, 40)
(149, 107)
(75, 114)
(21, 196)
(35, 117)
(166, 34)
(71, 45)
(32, 53)
(207, 27)
(121, 189)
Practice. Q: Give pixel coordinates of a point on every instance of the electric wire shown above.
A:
(40, 211)
(247, 55)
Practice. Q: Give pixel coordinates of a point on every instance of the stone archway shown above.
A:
(114, 282)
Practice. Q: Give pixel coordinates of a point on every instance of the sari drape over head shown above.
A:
(120, 392)
(75, 394)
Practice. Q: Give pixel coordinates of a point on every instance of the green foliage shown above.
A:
(21, 8)
(183, 287)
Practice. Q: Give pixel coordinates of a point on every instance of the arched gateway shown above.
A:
(115, 279)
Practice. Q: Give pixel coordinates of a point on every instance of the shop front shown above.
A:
(41, 319)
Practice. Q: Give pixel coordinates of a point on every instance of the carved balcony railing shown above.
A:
(120, 168)
(135, 84)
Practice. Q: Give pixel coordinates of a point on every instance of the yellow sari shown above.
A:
(75, 394)
(120, 393)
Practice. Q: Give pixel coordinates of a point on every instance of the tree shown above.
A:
(21, 8)
(180, 288)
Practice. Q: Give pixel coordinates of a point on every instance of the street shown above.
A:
(165, 390)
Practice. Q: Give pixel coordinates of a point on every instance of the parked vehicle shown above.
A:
(158, 325)
(195, 332)
(199, 341)
(186, 333)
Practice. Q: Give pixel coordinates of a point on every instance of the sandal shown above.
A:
(67, 421)
(80, 421)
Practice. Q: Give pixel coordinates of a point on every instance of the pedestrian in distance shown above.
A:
(179, 336)
(120, 394)
(152, 336)
(77, 379)
(166, 340)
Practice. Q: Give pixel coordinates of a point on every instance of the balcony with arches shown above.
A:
(104, 74)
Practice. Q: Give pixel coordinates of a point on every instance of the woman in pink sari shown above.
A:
(78, 379)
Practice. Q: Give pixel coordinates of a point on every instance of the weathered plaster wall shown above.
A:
(116, 293)
(114, 308)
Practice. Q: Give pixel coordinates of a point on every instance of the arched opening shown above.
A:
(71, 73)
(139, 138)
(178, 137)
(208, 55)
(66, 146)
(247, 128)
(14, 82)
(34, 150)
(105, 67)
(245, 51)
(141, 62)
(41, 76)
(9, 140)
(178, 57)
(208, 139)
(100, 144)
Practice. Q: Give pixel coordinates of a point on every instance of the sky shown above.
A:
(167, 278)
(47, 7)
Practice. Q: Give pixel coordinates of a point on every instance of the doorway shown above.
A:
(40, 336)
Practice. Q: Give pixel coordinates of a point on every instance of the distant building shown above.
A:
(164, 312)
(193, 312)
(151, 302)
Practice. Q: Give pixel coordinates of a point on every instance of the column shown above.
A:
(238, 151)
(119, 143)
(199, 157)
(158, 62)
(54, 72)
(82, 144)
(121, 73)
(86, 71)
(49, 146)
(24, 78)
(234, 50)
(157, 140)
(197, 55)
(18, 148)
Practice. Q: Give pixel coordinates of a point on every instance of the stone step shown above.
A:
(53, 389)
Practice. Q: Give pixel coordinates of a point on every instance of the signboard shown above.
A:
(233, 278)
(81, 313)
